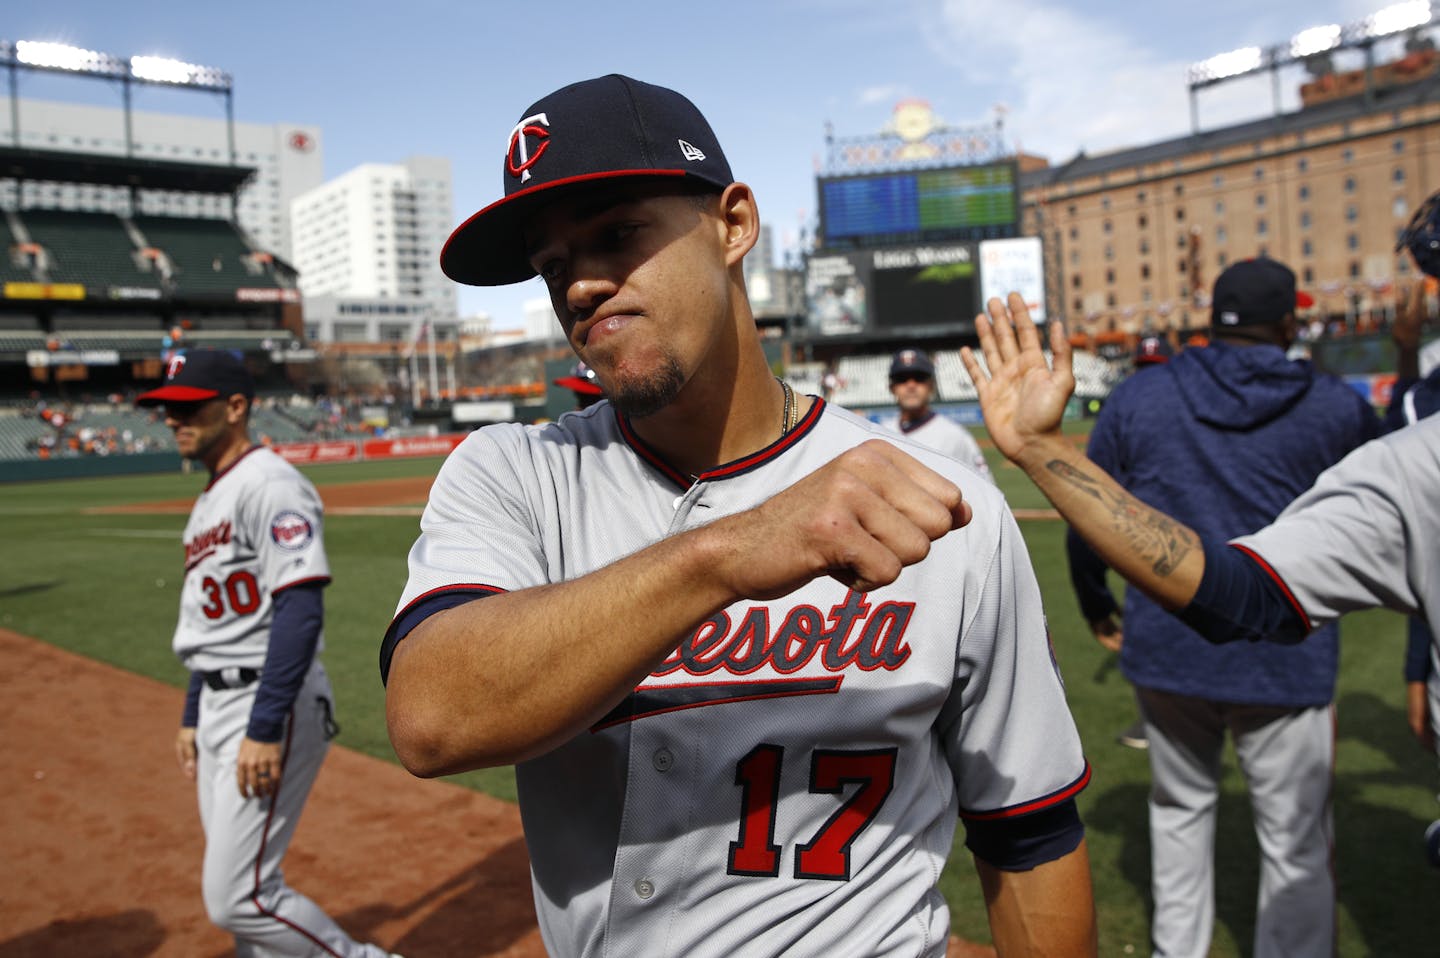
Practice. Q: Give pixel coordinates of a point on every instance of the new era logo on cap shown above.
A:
(585, 134)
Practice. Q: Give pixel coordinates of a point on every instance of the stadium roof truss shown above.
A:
(46, 57)
(1312, 48)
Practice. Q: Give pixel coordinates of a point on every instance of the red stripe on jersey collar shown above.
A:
(219, 475)
(725, 471)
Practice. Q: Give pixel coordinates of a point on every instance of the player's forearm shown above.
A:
(1047, 910)
(1157, 554)
(510, 677)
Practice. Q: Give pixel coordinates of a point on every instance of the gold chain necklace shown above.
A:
(790, 417)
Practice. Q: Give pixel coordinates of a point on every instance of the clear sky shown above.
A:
(387, 80)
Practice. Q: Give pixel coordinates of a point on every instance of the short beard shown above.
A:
(647, 397)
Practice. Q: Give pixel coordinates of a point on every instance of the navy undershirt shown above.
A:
(1238, 599)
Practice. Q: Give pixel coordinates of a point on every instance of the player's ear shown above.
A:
(237, 408)
(741, 219)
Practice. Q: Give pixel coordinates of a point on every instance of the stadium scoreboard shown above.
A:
(919, 206)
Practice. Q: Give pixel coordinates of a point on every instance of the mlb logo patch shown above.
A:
(291, 531)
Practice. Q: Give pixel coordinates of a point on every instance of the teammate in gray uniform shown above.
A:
(912, 383)
(751, 654)
(1365, 535)
(257, 719)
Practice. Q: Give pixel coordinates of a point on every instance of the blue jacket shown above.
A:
(1222, 438)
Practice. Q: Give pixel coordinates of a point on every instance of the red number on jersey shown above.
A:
(758, 775)
(241, 589)
(827, 855)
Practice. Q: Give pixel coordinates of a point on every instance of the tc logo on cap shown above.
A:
(518, 158)
(172, 368)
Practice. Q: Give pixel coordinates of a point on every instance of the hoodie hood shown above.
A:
(1239, 387)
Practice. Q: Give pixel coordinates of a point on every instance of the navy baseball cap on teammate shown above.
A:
(581, 380)
(911, 362)
(586, 133)
(1153, 349)
(199, 374)
(1255, 292)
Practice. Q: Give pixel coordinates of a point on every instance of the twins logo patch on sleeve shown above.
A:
(292, 531)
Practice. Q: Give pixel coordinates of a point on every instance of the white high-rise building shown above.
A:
(374, 234)
(287, 158)
(540, 322)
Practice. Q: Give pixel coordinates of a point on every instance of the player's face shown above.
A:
(637, 275)
(912, 391)
(199, 427)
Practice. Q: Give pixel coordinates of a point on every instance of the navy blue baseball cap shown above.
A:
(1255, 292)
(199, 374)
(581, 135)
(911, 362)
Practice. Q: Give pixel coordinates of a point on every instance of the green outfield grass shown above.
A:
(105, 586)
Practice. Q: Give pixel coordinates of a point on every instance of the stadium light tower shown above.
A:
(44, 56)
(1311, 47)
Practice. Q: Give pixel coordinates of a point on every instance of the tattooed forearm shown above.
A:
(1159, 540)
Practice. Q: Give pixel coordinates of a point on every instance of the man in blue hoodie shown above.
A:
(1223, 438)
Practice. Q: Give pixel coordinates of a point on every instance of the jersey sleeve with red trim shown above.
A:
(481, 531)
(1367, 534)
(1009, 715)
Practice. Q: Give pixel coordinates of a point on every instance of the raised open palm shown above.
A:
(1021, 396)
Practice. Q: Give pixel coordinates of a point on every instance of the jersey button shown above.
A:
(644, 888)
(663, 759)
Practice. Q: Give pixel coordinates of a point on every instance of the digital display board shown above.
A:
(926, 206)
(928, 288)
(924, 288)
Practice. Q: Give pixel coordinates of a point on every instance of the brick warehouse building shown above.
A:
(1136, 237)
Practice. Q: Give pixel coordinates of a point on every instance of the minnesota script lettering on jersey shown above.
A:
(858, 635)
(206, 543)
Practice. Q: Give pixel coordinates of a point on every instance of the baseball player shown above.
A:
(1223, 438)
(1417, 395)
(1366, 534)
(750, 653)
(912, 383)
(257, 719)
(1153, 350)
(581, 382)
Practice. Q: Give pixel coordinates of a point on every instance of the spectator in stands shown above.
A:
(912, 383)
(1223, 438)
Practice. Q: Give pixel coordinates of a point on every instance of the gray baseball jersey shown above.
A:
(1366, 534)
(945, 435)
(788, 780)
(254, 530)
